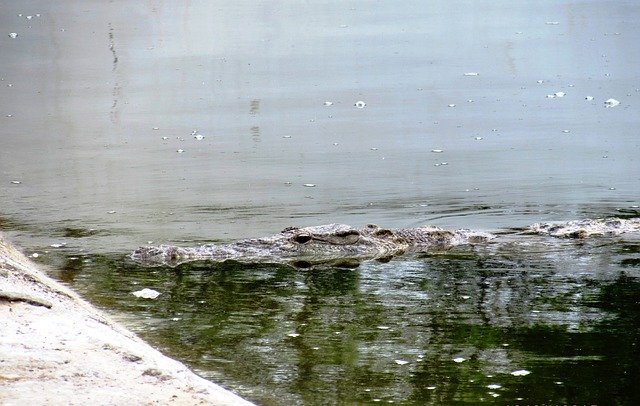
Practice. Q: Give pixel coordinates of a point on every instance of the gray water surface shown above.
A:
(184, 122)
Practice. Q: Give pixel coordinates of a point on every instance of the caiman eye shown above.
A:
(302, 238)
(345, 237)
(383, 232)
(347, 233)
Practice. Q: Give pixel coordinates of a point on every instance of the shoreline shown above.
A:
(56, 348)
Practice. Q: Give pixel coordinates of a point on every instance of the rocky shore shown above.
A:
(55, 348)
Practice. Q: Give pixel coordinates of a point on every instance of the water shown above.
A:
(96, 99)
(444, 328)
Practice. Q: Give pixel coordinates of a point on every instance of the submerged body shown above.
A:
(586, 228)
(331, 243)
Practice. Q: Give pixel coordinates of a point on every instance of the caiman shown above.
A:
(340, 244)
(307, 246)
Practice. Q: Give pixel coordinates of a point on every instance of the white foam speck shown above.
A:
(146, 293)
(611, 103)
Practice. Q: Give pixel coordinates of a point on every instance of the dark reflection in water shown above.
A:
(517, 323)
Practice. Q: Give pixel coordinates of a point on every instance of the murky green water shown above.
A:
(454, 327)
(185, 122)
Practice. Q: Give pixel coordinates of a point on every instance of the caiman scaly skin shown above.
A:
(343, 244)
(331, 243)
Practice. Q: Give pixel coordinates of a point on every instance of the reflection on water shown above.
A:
(529, 322)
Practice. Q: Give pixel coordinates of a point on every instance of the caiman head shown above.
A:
(341, 243)
(335, 244)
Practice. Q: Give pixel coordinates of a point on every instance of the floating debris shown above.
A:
(146, 293)
(328, 103)
(520, 372)
(556, 94)
(611, 103)
(360, 104)
(459, 360)
(13, 35)
(471, 74)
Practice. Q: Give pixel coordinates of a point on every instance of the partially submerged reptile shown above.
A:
(343, 244)
(306, 246)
